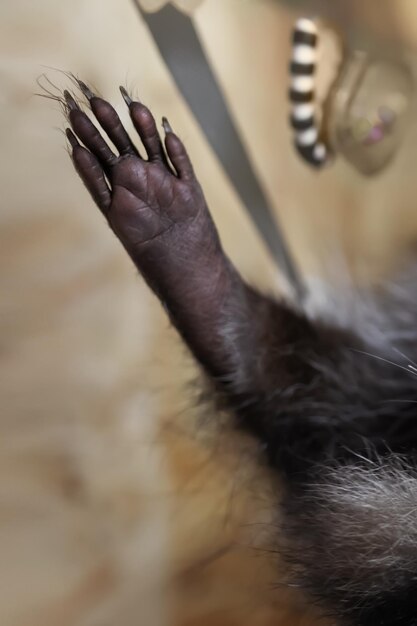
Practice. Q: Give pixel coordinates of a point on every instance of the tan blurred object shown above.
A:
(369, 112)
(112, 510)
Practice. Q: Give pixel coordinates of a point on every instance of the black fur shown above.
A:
(338, 416)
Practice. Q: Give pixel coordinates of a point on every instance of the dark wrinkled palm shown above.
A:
(157, 210)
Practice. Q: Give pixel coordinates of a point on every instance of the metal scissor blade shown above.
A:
(181, 49)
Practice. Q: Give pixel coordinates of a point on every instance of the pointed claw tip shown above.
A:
(125, 96)
(71, 138)
(166, 126)
(71, 103)
(85, 89)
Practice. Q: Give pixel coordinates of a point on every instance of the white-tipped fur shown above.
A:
(364, 524)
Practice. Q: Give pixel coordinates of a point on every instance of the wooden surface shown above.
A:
(119, 503)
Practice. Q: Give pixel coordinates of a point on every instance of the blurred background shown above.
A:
(120, 501)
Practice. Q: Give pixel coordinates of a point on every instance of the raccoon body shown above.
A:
(333, 402)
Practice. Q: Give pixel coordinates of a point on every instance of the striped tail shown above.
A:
(302, 93)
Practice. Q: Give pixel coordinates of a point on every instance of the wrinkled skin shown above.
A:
(159, 214)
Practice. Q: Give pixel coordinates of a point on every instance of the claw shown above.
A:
(126, 96)
(71, 138)
(86, 90)
(70, 102)
(166, 126)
